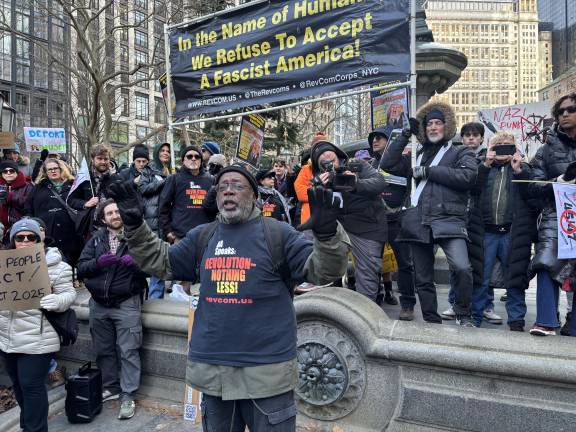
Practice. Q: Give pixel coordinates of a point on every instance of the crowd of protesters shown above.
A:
(490, 210)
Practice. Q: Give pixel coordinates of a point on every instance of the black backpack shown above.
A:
(273, 236)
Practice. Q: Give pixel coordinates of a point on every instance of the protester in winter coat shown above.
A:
(161, 162)
(209, 149)
(550, 164)
(55, 180)
(281, 179)
(216, 163)
(362, 213)
(397, 168)
(27, 340)
(271, 202)
(150, 185)
(23, 162)
(14, 191)
(304, 179)
(183, 195)
(445, 174)
(243, 348)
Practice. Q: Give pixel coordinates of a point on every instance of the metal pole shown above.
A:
(294, 104)
(170, 133)
(413, 78)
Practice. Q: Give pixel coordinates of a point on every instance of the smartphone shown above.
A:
(505, 150)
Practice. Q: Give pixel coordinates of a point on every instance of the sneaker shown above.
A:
(504, 298)
(565, 330)
(390, 299)
(491, 317)
(57, 378)
(537, 330)
(448, 314)
(464, 321)
(107, 395)
(516, 326)
(406, 314)
(127, 409)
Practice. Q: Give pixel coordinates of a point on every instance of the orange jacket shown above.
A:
(302, 183)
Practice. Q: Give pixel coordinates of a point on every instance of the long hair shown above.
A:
(65, 173)
(557, 104)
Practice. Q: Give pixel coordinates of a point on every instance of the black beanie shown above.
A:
(187, 149)
(140, 151)
(435, 114)
(8, 164)
(241, 170)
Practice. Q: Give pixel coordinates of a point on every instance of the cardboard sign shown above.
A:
(24, 278)
(52, 139)
(7, 140)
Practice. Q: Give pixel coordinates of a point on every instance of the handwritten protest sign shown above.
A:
(278, 50)
(51, 139)
(388, 106)
(251, 139)
(526, 121)
(565, 195)
(23, 278)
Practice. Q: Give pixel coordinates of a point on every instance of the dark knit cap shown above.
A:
(262, 174)
(8, 164)
(187, 149)
(211, 146)
(140, 151)
(240, 170)
(435, 114)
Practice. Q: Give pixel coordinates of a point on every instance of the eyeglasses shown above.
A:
(53, 169)
(193, 157)
(222, 187)
(22, 237)
(8, 171)
(569, 110)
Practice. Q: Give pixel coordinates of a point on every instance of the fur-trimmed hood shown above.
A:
(447, 110)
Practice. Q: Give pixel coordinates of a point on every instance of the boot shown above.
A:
(389, 298)
(565, 330)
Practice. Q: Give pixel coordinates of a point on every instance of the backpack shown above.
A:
(273, 236)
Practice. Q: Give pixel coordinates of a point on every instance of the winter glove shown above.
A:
(49, 302)
(127, 261)
(570, 173)
(129, 203)
(420, 172)
(411, 129)
(107, 260)
(323, 207)
(43, 155)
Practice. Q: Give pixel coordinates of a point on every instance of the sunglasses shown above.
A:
(8, 171)
(22, 237)
(193, 157)
(569, 110)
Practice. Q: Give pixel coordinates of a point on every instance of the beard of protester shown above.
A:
(435, 139)
(239, 214)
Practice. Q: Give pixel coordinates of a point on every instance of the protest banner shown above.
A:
(526, 121)
(387, 107)
(278, 50)
(51, 139)
(24, 278)
(7, 140)
(251, 139)
(565, 195)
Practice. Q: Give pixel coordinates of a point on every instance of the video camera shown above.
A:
(339, 181)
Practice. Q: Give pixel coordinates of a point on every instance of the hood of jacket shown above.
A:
(321, 147)
(19, 181)
(449, 125)
(156, 158)
(53, 256)
(563, 136)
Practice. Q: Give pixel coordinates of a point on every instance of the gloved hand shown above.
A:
(570, 173)
(129, 203)
(412, 129)
(420, 172)
(323, 207)
(49, 302)
(127, 261)
(107, 260)
(43, 155)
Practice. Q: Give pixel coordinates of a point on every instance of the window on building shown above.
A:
(22, 61)
(140, 39)
(119, 133)
(22, 103)
(41, 66)
(139, 18)
(159, 110)
(142, 131)
(142, 108)
(6, 57)
(39, 106)
(125, 102)
(23, 21)
(57, 32)
(142, 4)
(140, 57)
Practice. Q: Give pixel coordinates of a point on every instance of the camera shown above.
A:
(339, 181)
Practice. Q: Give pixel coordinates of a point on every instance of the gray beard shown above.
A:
(237, 216)
(435, 139)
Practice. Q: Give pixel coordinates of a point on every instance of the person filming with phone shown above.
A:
(505, 222)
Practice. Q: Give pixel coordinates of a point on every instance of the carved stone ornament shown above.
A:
(331, 372)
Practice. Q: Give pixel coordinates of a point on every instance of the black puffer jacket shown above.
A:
(550, 161)
(150, 187)
(363, 213)
(112, 285)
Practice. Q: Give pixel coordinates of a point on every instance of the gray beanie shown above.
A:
(25, 224)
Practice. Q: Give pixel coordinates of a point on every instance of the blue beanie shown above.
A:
(212, 147)
(25, 224)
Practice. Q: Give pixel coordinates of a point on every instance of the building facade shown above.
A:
(561, 14)
(34, 62)
(505, 49)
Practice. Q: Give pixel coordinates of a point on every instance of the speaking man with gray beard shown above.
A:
(444, 176)
(242, 354)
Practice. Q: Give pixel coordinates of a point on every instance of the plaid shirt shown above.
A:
(114, 241)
